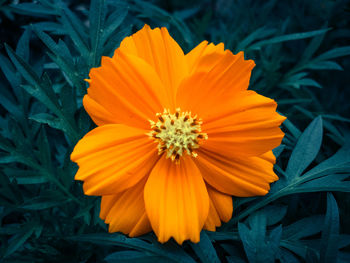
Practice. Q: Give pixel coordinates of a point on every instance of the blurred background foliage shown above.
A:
(301, 49)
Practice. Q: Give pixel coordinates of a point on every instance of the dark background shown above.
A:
(301, 50)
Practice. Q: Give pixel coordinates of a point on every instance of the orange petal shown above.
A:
(204, 57)
(246, 126)
(220, 209)
(176, 200)
(227, 75)
(112, 158)
(269, 156)
(125, 211)
(243, 177)
(127, 88)
(98, 113)
(162, 53)
(213, 219)
(222, 203)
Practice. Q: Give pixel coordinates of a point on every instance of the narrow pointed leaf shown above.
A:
(306, 149)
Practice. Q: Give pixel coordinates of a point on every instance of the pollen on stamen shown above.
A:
(177, 134)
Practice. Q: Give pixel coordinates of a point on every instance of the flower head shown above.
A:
(177, 136)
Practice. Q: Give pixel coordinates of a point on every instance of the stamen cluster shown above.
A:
(177, 133)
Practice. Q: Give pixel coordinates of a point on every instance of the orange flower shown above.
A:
(177, 136)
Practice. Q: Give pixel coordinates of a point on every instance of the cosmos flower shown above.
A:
(178, 135)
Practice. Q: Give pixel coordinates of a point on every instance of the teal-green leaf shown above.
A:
(17, 241)
(337, 162)
(262, 32)
(44, 149)
(288, 37)
(335, 53)
(306, 149)
(305, 227)
(50, 120)
(44, 201)
(324, 65)
(259, 245)
(68, 101)
(113, 21)
(205, 250)
(76, 32)
(26, 71)
(275, 213)
(312, 48)
(97, 14)
(34, 9)
(22, 48)
(330, 233)
(308, 82)
(115, 39)
(52, 27)
(9, 71)
(62, 57)
(134, 243)
(331, 182)
(130, 256)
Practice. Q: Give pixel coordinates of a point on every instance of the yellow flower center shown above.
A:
(177, 133)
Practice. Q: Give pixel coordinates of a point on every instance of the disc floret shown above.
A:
(177, 133)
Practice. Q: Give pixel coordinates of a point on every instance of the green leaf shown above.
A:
(40, 88)
(327, 176)
(292, 128)
(287, 257)
(68, 100)
(17, 241)
(23, 45)
(333, 182)
(137, 244)
(312, 48)
(150, 10)
(335, 53)
(288, 37)
(34, 9)
(76, 32)
(308, 82)
(205, 250)
(9, 104)
(258, 244)
(114, 41)
(44, 149)
(260, 33)
(293, 101)
(275, 213)
(296, 81)
(52, 27)
(278, 150)
(330, 233)
(133, 256)
(335, 117)
(97, 16)
(113, 21)
(50, 120)
(303, 228)
(26, 71)
(9, 72)
(31, 179)
(306, 149)
(62, 57)
(296, 247)
(337, 162)
(324, 65)
(44, 201)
